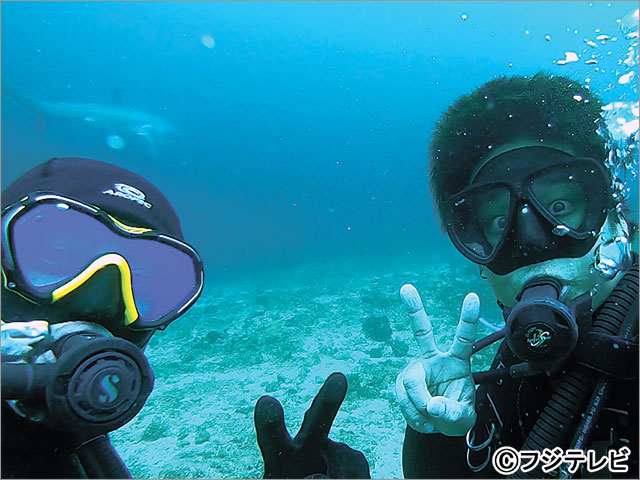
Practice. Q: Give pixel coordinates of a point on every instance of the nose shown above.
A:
(532, 231)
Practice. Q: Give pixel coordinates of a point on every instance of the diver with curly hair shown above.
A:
(519, 178)
(519, 175)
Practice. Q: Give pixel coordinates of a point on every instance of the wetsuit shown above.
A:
(514, 405)
(30, 450)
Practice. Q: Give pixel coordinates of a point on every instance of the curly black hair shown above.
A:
(544, 108)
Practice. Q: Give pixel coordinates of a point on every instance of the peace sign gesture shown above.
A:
(311, 453)
(436, 391)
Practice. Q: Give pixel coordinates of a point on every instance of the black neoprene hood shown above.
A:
(123, 194)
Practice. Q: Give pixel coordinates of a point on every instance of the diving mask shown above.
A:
(52, 245)
(528, 205)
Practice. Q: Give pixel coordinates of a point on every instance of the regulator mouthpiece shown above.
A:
(541, 330)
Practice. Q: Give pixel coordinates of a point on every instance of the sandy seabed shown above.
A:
(281, 332)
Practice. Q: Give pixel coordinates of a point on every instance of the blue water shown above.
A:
(299, 173)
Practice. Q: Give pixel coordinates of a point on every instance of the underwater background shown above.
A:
(291, 138)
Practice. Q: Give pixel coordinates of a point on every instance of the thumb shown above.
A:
(345, 462)
(445, 408)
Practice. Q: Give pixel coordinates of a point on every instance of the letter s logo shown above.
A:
(108, 384)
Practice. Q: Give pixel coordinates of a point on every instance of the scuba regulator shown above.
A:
(585, 349)
(77, 379)
(96, 384)
(542, 331)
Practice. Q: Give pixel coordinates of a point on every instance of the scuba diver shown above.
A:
(520, 173)
(93, 263)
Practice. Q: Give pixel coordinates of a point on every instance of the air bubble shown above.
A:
(624, 79)
(569, 57)
(613, 256)
(208, 41)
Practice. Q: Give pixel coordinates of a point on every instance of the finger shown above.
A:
(467, 327)
(420, 323)
(345, 462)
(415, 418)
(407, 408)
(459, 416)
(271, 431)
(416, 386)
(324, 408)
(445, 408)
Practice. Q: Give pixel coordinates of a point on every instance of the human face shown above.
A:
(560, 196)
(529, 205)
(576, 275)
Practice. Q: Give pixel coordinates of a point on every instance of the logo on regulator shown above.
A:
(537, 337)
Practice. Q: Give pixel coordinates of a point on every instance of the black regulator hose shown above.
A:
(25, 381)
(96, 385)
(568, 400)
(100, 460)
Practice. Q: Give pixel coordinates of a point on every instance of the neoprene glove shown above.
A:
(311, 453)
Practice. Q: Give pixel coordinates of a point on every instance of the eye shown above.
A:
(499, 223)
(559, 206)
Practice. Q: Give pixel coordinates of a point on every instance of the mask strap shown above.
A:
(502, 151)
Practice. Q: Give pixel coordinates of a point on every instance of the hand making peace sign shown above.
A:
(436, 391)
(311, 454)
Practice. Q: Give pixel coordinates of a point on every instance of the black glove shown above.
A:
(310, 453)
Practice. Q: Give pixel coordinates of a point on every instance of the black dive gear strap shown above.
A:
(618, 316)
(96, 385)
(602, 353)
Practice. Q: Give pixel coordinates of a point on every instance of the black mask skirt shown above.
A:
(529, 205)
